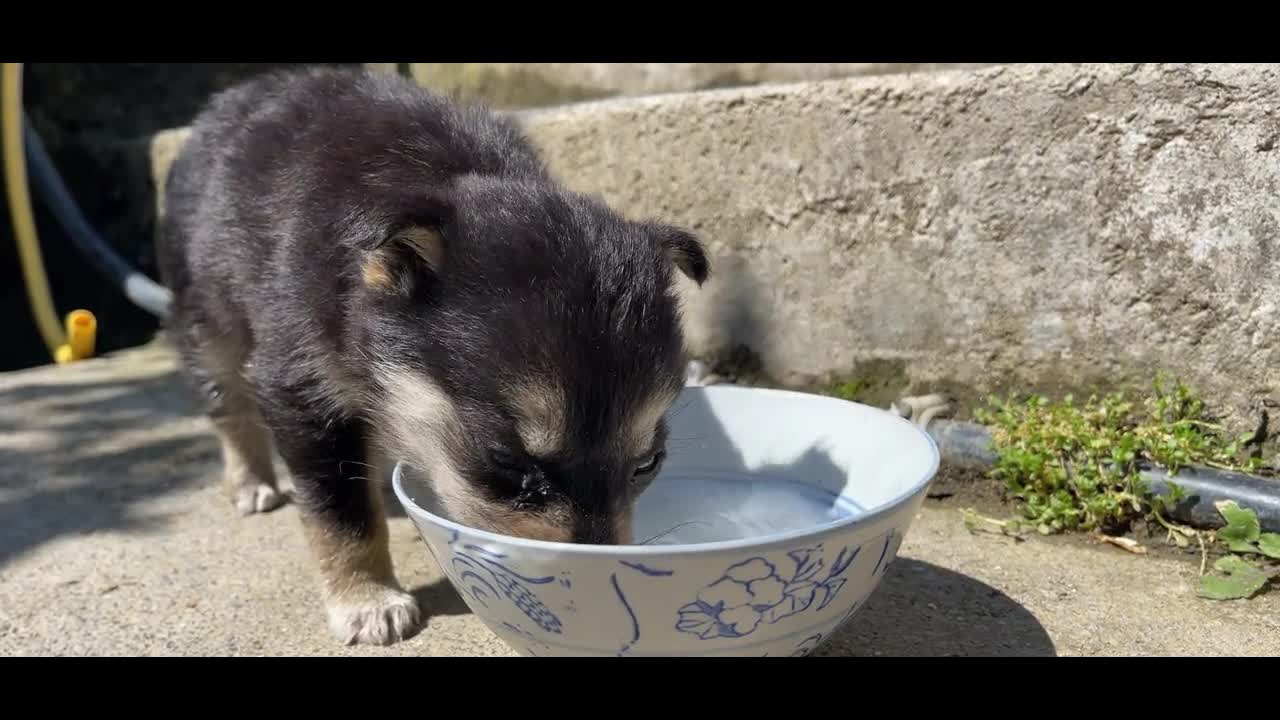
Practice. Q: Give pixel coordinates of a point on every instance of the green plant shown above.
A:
(1242, 536)
(847, 389)
(1079, 467)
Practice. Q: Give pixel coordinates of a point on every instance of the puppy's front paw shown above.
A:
(373, 614)
(258, 498)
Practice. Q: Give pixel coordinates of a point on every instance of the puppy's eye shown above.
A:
(651, 464)
(522, 475)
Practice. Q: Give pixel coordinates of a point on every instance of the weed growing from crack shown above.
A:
(1079, 468)
(846, 390)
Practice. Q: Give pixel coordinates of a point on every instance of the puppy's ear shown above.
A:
(685, 251)
(407, 248)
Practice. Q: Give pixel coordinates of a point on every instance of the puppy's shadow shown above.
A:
(921, 609)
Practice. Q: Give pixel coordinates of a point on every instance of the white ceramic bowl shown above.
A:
(792, 507)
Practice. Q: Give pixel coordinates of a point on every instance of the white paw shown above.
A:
(373, 614)
(258, 499)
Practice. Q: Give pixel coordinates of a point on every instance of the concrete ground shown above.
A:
(115, 539)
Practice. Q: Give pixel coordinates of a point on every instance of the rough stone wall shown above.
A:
(1043, 227)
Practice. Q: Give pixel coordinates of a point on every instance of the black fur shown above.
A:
(290, 181)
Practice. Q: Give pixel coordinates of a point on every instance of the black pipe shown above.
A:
(1203, 487)
(140, 289)
(963, 444)
(969, 445)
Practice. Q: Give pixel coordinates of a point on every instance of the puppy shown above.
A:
(363, 269)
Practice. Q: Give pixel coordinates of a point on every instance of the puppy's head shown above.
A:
(528, 345)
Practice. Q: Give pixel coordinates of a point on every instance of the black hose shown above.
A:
(969, 445)
(140, 289)
(962, 444)
(1205, 486)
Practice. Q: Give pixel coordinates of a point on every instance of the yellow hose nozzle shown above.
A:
(82, 333)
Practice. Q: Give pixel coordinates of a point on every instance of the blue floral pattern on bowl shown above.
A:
(863, 472)
(756, 591)
(484, 577)
(739, 601)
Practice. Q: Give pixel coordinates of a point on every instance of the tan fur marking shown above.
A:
(421, 417)
(415, 402)
(380, 271)
(427, 243)
(643, 423)
(531, 527)
(377, 274)
(347, 562)
(364, 601)
(622, 528)
(418, 420)
(248, 475)
(540, 417)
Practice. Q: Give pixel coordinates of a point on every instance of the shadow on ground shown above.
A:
(79, 457)
(439, 598)
(921, 609)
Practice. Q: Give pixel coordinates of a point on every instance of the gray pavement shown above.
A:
(116, 539)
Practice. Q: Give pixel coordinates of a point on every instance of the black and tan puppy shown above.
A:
(365, 270)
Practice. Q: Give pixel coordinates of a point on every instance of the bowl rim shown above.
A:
(889, 507)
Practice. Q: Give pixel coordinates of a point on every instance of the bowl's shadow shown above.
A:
(439, 598)
(920, 609)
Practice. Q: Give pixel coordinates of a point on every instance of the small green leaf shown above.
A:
(1241, 581)
(1240, 546)
(1181, 540)
(1269, 544)
(1242, 525)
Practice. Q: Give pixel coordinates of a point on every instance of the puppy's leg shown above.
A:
(344, 521)
(246, 455)
(364, 601)
(213, 362)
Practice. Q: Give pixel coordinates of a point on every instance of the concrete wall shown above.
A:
(527, 85)
(1029, 227)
